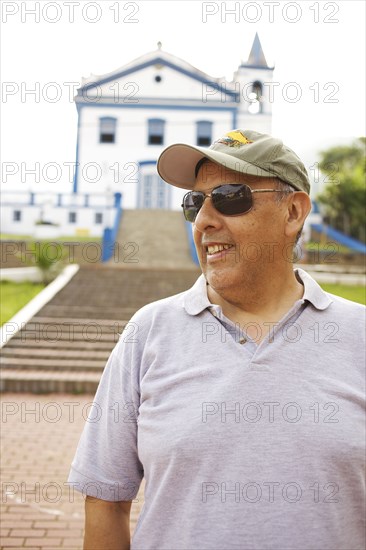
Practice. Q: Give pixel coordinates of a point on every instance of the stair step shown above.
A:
(92, 355)
(103, 322)
(48, 381)
(52, 364)
(44, 338)
(94, 312)
(88, 330)
(60, 343)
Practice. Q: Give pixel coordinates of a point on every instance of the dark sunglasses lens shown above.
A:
(192, 202)
(232, 199)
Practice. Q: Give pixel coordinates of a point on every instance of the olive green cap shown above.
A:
(243, 151)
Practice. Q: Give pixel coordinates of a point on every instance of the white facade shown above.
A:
(122, 166)
(126, 118)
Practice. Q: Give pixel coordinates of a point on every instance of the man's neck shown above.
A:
(267, 305)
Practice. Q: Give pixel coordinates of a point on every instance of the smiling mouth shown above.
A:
(215, 248)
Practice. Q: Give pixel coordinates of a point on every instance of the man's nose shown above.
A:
(207, 216)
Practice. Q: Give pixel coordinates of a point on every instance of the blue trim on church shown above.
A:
(230, 109)
(76, 174)
(145, 162)
(139, 105)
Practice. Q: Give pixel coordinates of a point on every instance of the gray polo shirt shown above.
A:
(242, 446)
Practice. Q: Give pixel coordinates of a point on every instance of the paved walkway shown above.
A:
(39, 437)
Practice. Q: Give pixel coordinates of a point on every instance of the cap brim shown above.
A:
(177, 164)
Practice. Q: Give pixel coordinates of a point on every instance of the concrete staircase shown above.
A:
(152, 239)
(64, 348)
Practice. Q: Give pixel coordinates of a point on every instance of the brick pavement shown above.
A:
(39, 436)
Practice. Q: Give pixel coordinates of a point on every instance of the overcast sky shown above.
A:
(320, 46)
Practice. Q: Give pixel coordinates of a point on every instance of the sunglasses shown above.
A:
(230, 199)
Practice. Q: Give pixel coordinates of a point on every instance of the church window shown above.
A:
(72, 217)
(204, 132)
(255, 98)
(17, 215)
(156, 131)
(107, 130)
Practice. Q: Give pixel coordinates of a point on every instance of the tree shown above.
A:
(47, 256)
(344, 196)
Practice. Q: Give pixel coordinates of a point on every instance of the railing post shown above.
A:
(110, 233)
(191, 243)
(107, 247)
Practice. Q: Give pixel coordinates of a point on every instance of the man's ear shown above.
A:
(298, 208)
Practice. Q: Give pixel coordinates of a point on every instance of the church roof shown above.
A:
(256, 57)
(161, 57)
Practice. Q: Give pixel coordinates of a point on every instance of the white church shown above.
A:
(125, 119)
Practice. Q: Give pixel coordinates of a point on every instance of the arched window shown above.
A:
(107, 129)
(204, 132)
(255, 98)
(156, 131)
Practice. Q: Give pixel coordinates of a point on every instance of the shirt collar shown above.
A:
(196, 300)
(313, 293)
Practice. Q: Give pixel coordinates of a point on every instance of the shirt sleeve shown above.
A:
(106, 463)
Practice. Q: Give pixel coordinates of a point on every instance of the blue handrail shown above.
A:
(110, 233)
(192, 247)
(341, 238)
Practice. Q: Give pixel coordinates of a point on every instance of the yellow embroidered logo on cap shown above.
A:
(234, 139)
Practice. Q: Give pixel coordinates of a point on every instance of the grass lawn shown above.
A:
(327, 246)
(14, 296)
(354, 293)
(61, 239)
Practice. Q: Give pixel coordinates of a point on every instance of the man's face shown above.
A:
(254, 241)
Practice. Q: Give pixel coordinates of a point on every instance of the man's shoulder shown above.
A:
(346, 307)
(348, 315)
(160, 319)
(327, 302)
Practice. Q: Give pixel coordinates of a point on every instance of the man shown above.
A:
(240, 401)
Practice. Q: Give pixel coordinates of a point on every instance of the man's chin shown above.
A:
(219, 277)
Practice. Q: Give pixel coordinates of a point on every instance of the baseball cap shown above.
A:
(244, 151)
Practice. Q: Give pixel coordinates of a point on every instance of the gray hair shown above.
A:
(286, 188)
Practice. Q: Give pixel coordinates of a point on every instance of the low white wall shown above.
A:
(85, 223)
(21, 274)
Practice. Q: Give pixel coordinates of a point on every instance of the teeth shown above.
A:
(213, 249)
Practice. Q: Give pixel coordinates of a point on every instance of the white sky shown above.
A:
(310, 50)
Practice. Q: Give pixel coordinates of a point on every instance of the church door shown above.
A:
(153, 192)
